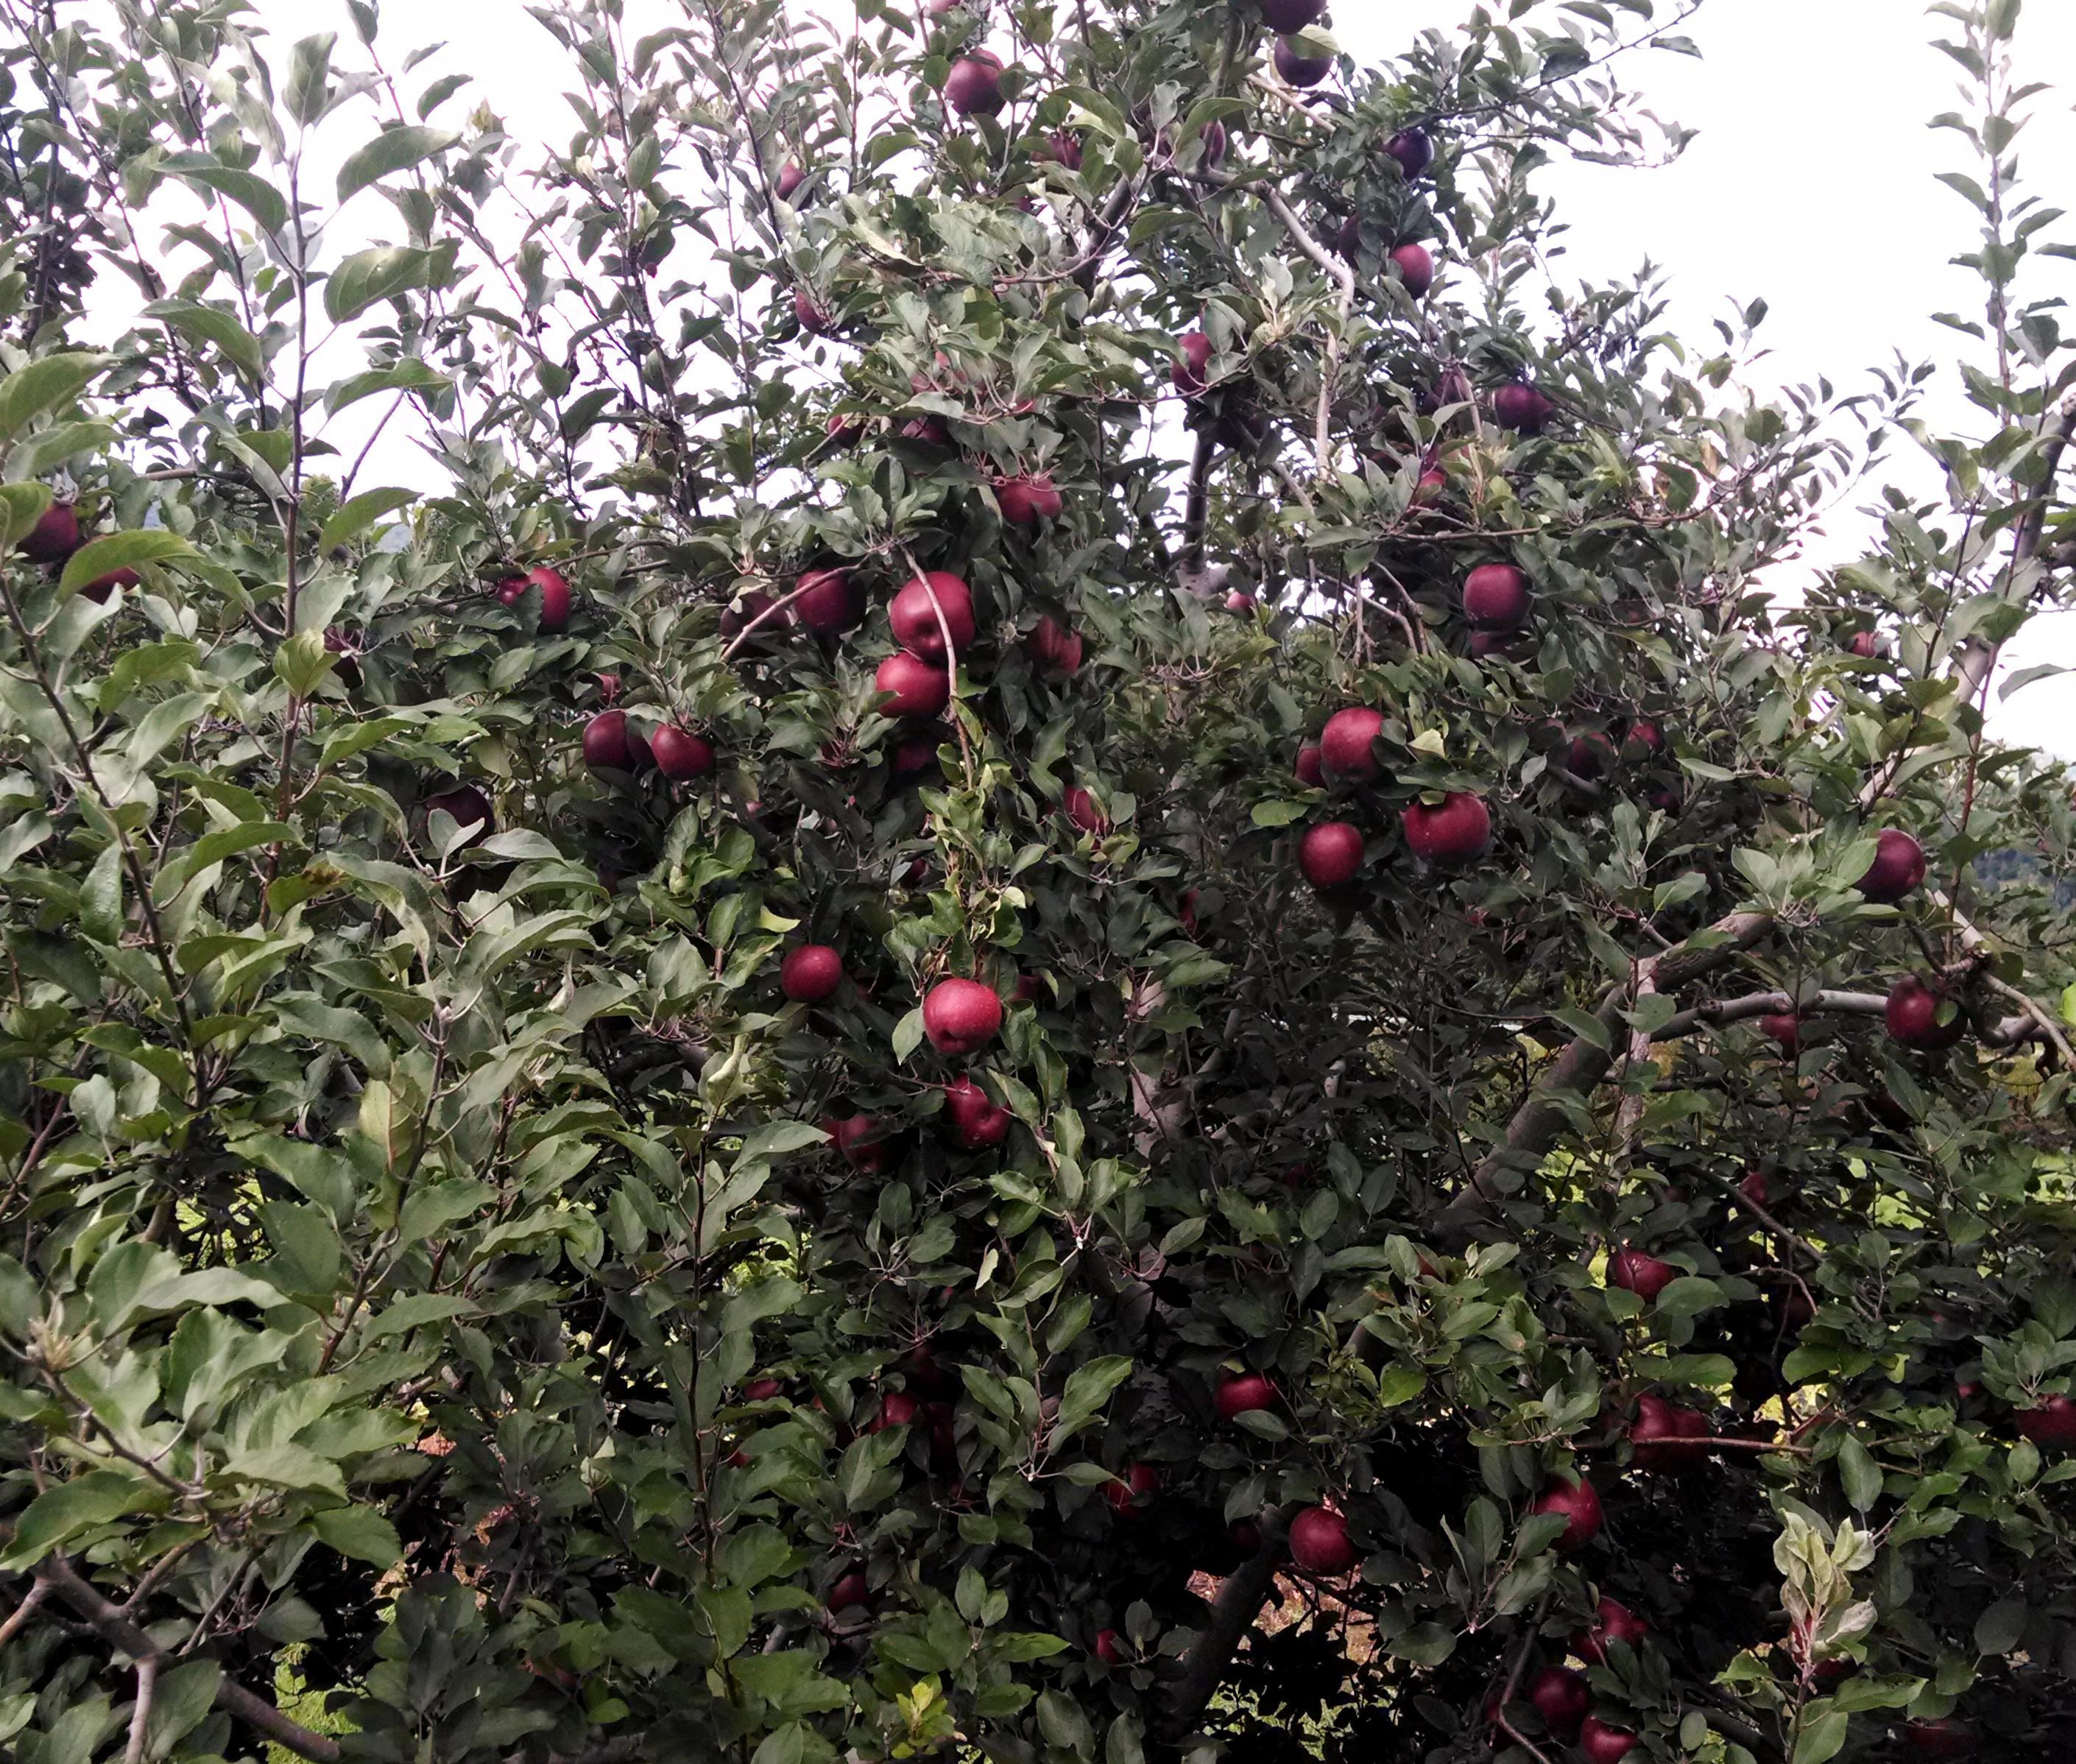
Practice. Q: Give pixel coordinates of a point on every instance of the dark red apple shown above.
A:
(960, 1016)
(54, 537)
(857, 1141)
(1130, 1498)
(1290, 16)
(897, 1409)
(1613, 1621)
(914, 617)
(1319, 1541)
(1520, 406)
(99, 589)
(1243, 1394)
(611, 743)
(2052, 1424)
(1496, 597)
(1641, 739)
(1645, 1276)
(1898, 868)
(761, 1390)
(1213, 136)
(850, 1593)
(1865, 645)
(1944, 1737)
(1310, 768)
(1580, 1503)
(1414, 150)
(791, 178)
(974, 87)
(744, 611)
(1784, 1027)
(976, 1124)
(1344, 743)
(1331, 854)
(1455, 831)
(1590, 755)
(1562, 1697)
(1600, 1744)
(810, 972)
(1913, 1018)
(554, 595)
(1416, 269)
(1667, 1437)
(1109, 1648)
(680, 754)
(1190, 373)
(1301, 70)
(1083, 810)
(815, 317)
(1755, 1188)
(464, 804)
(1432, 485)
(1062, 148)
(919, 691)
(828, 601)
(1052, 645)
(1029, 499)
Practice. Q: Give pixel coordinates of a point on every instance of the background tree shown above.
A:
(838, 1063)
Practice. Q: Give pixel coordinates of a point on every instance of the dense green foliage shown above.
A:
(456, 1303)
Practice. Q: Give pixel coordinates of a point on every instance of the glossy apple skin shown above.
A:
(1666, 1436)
(1130, 1498)
(1415, 265)
(2052, 1425)
(1898, 868)
(611, 743)
(1645, 1276)
(1301, 71)
(1613, 1621)
(465, 805)
(897, 1409)
(1522, 408)
(857, 1141)
(681, 754)
(1083, 810)
(1580, 1502)
(828, 602)
(1029, 500)
(791, 178)
(1413, 149)
(1495, 598)
(960, 1016)
(974, 87)
(1562, 1697)
(1310, 768)
(1243, 1394)
(1109, 1647)
(1600, 1744)
(1190, 373)
(1912, 1017)
(976, 1124)
(1455, 831)
(810, 973)
(54, 537)
(920, 691)
(1784, 1027)
(1319, 1541)
(913, 617)
(1051, 645)
(554, 595)
(1344, 743)
(1331, 854)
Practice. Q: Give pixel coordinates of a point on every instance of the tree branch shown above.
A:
(1238, 1603)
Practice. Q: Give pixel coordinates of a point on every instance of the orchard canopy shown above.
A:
(975, 898)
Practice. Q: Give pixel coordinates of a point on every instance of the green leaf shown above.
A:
(1689, 1295)
(394, 149)
(309, 85)
(1822, 1739)
(1860, 1474)
(212, 325)
(409, 375)
(63, 1511)
(367, 278)
(114, 551)
(2002, 1627)
(52, 383)
(360, 1532)
(1088, 1389)
(250, 192)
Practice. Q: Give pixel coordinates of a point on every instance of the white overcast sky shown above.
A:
(1810, 185)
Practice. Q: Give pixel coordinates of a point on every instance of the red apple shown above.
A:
(1310, 767)
(1416, 269)
(1239, 601)
(1319, 1541)
(54, 537)
(99, 589)
(1432, 484)
(2052, 1424)
(1028, 499)
(744, 611)
(914, 618)
(1946, 1738)
(680, 754)
(919, 691)
(1581, 1504)
(791, 178)
(611, 743)
(1301, 70)
(930, 431)
(897, 1409)
(1521, 406)
(464, 804)
(843, 429)
(1287, 16)
(1755, 1188)
(1784, 1027)
(1590, 755)
(1898, 868)
(1913, 1017)
(1865, 645)
(1413, 150)
(1109, 1648)
(1052, 645)
(1130, 1498)
(960, 1016)
(1189, 373)
(810, 972)
(1645, 1276)
(976, 1124)
(814, 318)
(1600, 1744)
(974, 87)
(1641, 739)
(1455, 831)
(850, 1593)
(1344, 743)
(761, 1390)
(554, 595)
(1495, 598)
(1667, 1437)
(1243, 1392)
(1613, 1621)
(1062, 148)
(1213, 137)
(1562, 1697)
(1082, 809)
(1331, 854)
(857, 1140)
(829, 601)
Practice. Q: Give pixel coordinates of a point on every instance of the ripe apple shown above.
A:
(1898, 868)
(960, 1016)
(1521, 406)
(1600, 1744)
(1347, 237)
(1667, 1437)
(1245, 1392)
(1944, 1737)
(1310, 767)
(1413, 150)
(1645, 1276)
(1496, 597)
(1130, 1498)
(1590, 755)
(914, 618)
(1240, 601)
(1755, 1188)
(1913, 1016)
(1642, 740)
(1083, 810)
(464, 804)
(99, 589)
(1562, 1697)
(1052, 645)
(1344, 743)
(1062, 148)
(1292, 15)
(554, 595)
(1455, 831)
(919, 691)
(1213, 136)
(1866, 644)
(857, 1141)
(791, 178)
(761, 1390)
(1190, 373)
(897, 1409)
(1416, 269)
(829, 601)
(974, 87)
(850, 1593)
(55, 537)
(2052, 1424)
(1319, 1541)
(1331, 854)
(611, 743)
(1028, 499)
(814, 318)
(1580, 1503)
(810, 972)
(1784, 1027)
(976, 1124)
(843, 430)
(680, 754)
(742, 612)
(1613, 1621)
(1109, 1648)
(1299, 70)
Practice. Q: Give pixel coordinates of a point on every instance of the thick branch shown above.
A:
(1238, 1603)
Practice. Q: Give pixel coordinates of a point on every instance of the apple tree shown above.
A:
(972, 898)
